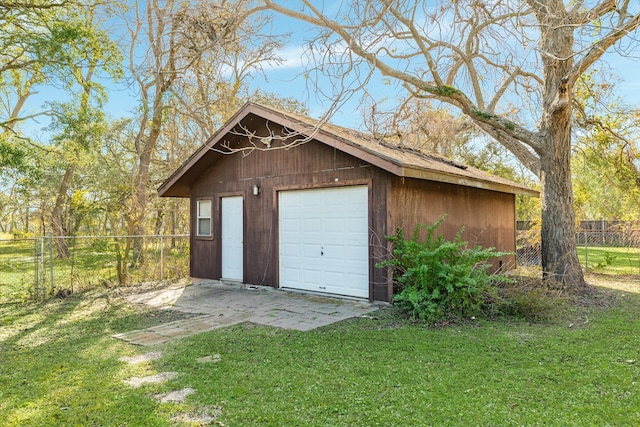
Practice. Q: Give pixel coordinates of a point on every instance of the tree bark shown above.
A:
(559, 253)
(58, 222)
(559, 249)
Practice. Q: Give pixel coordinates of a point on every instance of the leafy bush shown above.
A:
(440, 279)
(607, 261)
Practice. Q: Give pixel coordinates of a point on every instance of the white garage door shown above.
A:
(324, 236)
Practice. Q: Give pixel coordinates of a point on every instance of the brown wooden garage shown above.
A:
(278, 201)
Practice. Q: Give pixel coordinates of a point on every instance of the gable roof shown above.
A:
(400, 161)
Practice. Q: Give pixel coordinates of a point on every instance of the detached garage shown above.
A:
(278, 201)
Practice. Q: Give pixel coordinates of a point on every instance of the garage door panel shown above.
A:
(355, 284)
(291, 249)
(334, 225)
(310, 279)
(331, 237)
(334, 252)
(310, 202)
(355, 250)
(311, 251)
(312, 225)
(335, 279)
(291, 274)
(353, 224)
(293, 225)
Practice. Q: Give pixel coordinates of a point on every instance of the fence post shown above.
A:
(43, 260)
(36, 282)
(161, 259)
(586, 254)
(51, 262)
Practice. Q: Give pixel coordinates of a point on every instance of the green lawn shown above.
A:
(92, 263)
(611, 260)
(60, 368)
(17, 269)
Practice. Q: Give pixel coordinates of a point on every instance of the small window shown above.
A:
(204, 218)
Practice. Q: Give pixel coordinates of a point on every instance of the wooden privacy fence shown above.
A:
(38, 268)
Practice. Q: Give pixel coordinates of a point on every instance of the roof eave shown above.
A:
(171, 186)
(402, 170)
(440, 176)
(177, 185)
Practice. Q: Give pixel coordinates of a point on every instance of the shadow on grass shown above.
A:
(60, 367)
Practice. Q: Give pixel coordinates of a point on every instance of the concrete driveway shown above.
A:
(217, 305)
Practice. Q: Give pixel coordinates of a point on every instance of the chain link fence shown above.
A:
(609, 251)
(39, 268)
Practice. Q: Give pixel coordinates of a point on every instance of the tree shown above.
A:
(509, 65)
(80, 122)
(32, 39)
(181, 57)
(417, 124)
(60, 44)
(606, 159)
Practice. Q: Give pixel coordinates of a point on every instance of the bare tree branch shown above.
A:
(600, 47)
(22, 5)
(495, 62)
(415, 84)
(582, 17)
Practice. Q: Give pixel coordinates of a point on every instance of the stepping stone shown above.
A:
(136, 382)
(134, 360)
(204, 416)
(214, 358)
(175, 396)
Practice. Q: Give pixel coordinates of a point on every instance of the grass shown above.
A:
(60, 367)
(611, 260)
(92, 263)
(17, 269)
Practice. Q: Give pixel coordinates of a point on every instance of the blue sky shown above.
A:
(287, 80)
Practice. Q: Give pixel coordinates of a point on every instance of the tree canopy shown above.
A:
(179, 69)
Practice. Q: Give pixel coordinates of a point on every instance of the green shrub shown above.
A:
(439, 279)
(607, 261)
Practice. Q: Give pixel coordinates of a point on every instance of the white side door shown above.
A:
(232, 238)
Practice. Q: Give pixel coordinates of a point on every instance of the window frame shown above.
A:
(200, 217)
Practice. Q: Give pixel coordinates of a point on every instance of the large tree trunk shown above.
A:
(141, 190)
(559, 250)
(559, 254)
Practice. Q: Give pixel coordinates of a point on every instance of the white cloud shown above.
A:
(292, 58)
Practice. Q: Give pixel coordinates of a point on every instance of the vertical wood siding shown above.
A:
(488, 216)
(307, 166)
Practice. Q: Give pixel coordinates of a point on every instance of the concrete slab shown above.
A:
(218, 305)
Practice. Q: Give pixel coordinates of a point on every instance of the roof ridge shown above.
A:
(392, 156)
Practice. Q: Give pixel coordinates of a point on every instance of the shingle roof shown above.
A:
(399, 160)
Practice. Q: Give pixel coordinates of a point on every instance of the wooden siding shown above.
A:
(487, 216)
(310, 165)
